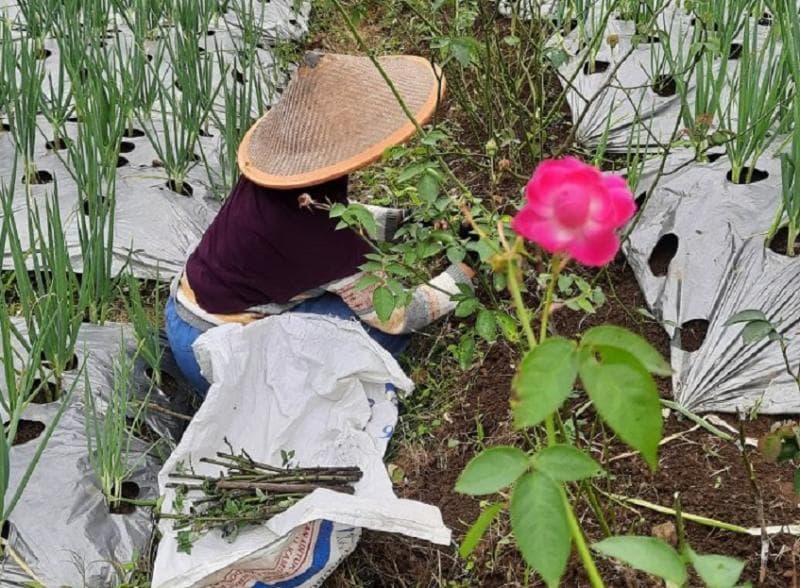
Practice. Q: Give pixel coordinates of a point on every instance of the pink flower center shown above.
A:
(572, 206)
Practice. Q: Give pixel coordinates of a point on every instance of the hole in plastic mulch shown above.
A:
(71, 365)
(149, 57)
(185, 188)
(56, 144)
(5, 127)
(211, 32)
(238, 76)
(712, 157)
(748, 176)
(42, 54)
(780, 242)
(565, 26)
(126, 146)
(662, 254)
(735, 51)
(74, 119)
(27, 430)
(46, 392)
(692, 334)
(87, 207)
(130, 491)
(133, 133)
(204, 133)
(641, 199)
(695, 22)
(665, 85)
(765, 20)
(651, 39)
(122, 161)
(39, 177)
(6, 530)
(595, 67)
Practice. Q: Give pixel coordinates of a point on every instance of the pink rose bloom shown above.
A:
(575, 208)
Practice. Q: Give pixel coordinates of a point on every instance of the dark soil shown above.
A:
(665, 85)
(746, 177)
(126, 146)
(595, 67)
(662, 254)
(133, 133)
(130, 491)
(692, 334)
(707, 471)
(56, 144)
(27, 431)
(39, 177)
(184, 190)
(72, 364)
(47, 392)
(780, 243)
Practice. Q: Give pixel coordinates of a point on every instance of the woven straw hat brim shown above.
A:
(336, 117)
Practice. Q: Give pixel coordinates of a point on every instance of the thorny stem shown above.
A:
(574, 526)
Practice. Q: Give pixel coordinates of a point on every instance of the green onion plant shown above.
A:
(759, 87)
(109, 429)
(145, 327)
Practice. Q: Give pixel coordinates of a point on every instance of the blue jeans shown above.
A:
(181, 335)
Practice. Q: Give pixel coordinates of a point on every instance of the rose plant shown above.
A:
(572, 211)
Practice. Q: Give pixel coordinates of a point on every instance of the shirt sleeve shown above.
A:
(429, 301)
(387, 219)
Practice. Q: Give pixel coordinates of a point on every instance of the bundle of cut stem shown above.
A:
(246, 493)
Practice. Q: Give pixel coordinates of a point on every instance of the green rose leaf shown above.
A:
(717, 571)
(539, 522)
(633, 344)
(486, 326)
(383, 300)
(626, 397)
(566, 463)
(647, 554)
(544, 380)
(492, 470)
(478, 529)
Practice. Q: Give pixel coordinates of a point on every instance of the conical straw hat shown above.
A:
(337, 115)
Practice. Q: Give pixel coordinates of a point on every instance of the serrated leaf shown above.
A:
(508, 326)
(366, 281)
(745, 316)
(545, 378)
(492, 470)
(467, 307)
(456, 254)
(633, 344)
(411, 172)
(486, 326)
(478, 529)
(384, 303)
(428, 187)
(565, 463)
(539, 522)
(717, 571)
(466, 351)
(625, 396)
(647, 554)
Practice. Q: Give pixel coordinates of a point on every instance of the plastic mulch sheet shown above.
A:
(699, 254)
(61, 527)
(155, 228)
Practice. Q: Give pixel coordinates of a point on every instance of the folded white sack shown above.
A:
(317, 386)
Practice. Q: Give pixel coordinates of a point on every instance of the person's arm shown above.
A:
(429, 302)
(387, 219)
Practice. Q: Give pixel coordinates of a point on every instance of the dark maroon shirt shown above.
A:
(262, 247)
